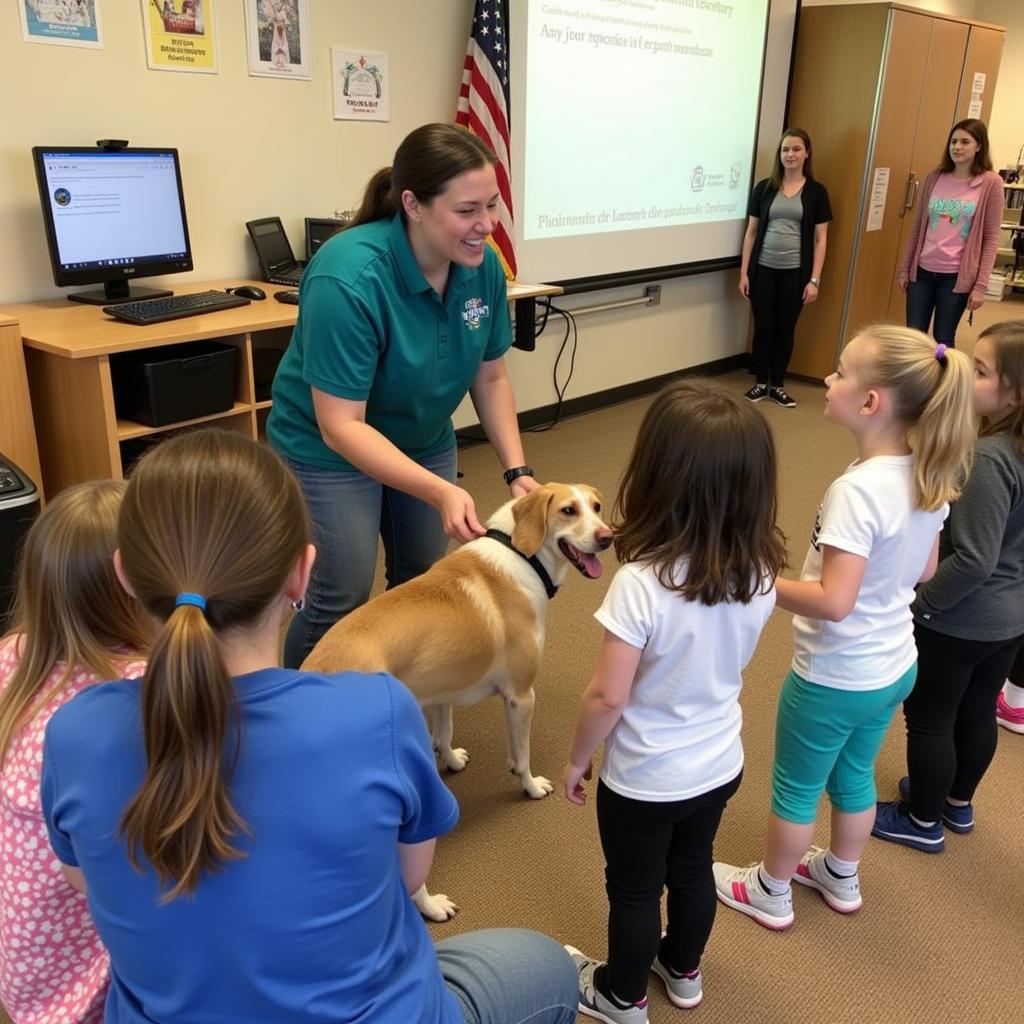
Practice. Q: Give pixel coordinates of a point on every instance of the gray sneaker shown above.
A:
(741, 889)
(841, 894)
(683, 991)
(593, 1004)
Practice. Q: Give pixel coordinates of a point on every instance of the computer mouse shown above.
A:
(248, 291)
(290, 297)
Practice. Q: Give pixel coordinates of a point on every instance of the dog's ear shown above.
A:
(530, 513)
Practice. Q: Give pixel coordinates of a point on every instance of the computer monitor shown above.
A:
(318, 230)
(111, 216)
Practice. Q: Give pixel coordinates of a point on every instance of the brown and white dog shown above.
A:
(473, 625)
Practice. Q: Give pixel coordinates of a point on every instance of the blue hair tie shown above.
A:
(197, 600)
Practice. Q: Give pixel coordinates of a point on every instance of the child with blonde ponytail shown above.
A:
(249, 835)
(73, 626)
(908, 404)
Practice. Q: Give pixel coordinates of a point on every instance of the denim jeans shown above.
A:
(509, 976)
(349, 512)
(933, 293)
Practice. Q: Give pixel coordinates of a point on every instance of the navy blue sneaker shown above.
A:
(956, 819)
(894, 824)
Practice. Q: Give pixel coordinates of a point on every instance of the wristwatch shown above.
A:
(816, 281)
(517, 471)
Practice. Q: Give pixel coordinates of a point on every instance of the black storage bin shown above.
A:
(158, 386)
(265, 360)
(19, 505)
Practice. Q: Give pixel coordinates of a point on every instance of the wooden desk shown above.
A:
(68, 347)
(17, 436)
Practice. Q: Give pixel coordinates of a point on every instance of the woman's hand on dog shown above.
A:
(458, 514)
(573, 778)
(522, 485)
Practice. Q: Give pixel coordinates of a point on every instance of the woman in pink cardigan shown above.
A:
(952, 244)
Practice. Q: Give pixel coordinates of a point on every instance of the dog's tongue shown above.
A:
(591, 565)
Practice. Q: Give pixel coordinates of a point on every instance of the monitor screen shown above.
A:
(112, 215)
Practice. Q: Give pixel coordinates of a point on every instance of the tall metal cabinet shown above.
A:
(878, 86)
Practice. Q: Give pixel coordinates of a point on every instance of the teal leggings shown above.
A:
(828, 739)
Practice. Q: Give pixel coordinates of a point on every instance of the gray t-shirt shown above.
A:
(780, 249)
(977, 592)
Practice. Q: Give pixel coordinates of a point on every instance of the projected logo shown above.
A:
(697, 178)
(734, 175)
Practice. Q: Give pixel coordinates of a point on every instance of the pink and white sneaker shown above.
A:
(741, 889)
(1008, 717)
(841, 894)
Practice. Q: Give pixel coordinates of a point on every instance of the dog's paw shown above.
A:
(436, 907)
(537, 787)
(455, 760)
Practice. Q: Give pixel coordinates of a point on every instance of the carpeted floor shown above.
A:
(939, 937)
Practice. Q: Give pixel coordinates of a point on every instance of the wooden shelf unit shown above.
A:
(68, 350)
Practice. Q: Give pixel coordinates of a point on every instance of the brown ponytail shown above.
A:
(213, 513)
(427, 159)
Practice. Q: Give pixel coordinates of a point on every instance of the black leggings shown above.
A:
(649, 846)
(951, 716)
(776, 299)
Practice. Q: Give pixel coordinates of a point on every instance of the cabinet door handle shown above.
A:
(911, 196)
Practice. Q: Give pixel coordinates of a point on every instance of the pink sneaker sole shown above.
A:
(1009, 718)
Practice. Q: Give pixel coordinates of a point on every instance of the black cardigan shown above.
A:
(816, 210)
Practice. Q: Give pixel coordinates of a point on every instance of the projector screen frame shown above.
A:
(663, 272)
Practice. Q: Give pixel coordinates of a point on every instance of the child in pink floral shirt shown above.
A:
(74, 626)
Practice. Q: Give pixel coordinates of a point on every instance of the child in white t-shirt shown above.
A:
(699, 550)
(908, 404)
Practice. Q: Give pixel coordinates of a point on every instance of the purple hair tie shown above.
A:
(940, 351)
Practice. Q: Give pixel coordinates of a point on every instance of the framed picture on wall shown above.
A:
(63, 22)
(278, 38)
(180, 35)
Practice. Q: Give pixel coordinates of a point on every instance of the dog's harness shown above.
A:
(532, 560)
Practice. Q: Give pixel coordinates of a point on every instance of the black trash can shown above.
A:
(19, 506)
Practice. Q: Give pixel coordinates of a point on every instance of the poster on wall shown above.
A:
(180, 36)
(277, 38)
(64, 22)
(361, 86)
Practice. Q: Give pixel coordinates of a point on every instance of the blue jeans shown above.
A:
(933, 293)
(509, 976)
(349, 512)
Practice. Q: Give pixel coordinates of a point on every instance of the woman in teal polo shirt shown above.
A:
(400, 316)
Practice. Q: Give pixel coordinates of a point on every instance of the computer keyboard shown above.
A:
(172, 307)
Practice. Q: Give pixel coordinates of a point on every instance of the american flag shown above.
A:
(484, 110)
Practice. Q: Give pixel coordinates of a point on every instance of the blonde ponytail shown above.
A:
(207, 513)
(932, 388)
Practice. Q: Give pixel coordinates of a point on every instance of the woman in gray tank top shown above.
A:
(783, 256)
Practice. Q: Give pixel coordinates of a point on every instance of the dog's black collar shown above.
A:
(504, 538)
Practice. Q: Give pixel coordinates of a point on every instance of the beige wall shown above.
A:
(253, 147)
(1006, 127)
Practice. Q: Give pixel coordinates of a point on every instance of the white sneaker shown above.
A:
(841, 894)
(741, 889)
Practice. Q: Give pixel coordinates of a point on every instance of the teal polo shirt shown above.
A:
(372, 329)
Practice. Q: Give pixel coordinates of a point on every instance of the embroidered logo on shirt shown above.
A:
(475, 311)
